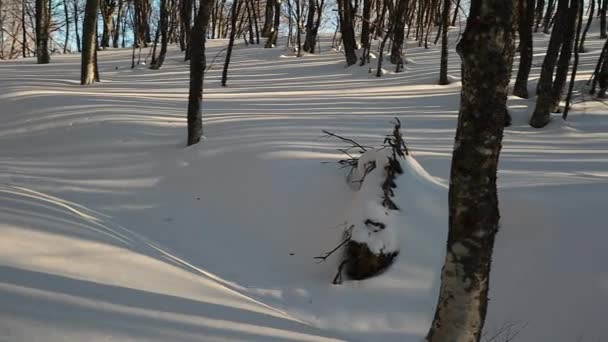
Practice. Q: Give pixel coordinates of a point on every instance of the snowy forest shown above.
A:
(304, 170)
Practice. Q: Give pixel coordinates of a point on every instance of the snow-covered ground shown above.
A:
(111, 229)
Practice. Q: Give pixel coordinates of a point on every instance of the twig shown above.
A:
(338, 278)
(328, 254)
(363, 148)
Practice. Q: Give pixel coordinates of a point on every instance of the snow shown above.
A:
(113, 230)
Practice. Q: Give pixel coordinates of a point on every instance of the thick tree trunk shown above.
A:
(268, 18)
(197, 72)
(545, 102)
(43, 21)
(185, 15)
(107, 12)
(89, 37)
(443, 67)
(310, 40)
(563, 63)
(398, 32)
(486, 50)
(274, 35)
(526, 18)
(348, 31)
(365, 24)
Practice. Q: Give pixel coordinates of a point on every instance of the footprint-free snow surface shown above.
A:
(111, 229)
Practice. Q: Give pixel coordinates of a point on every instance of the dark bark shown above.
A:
(185, 16)
(525, 10)
(576, 58)
(43, 22)
(298, 27)
(398, 30)
(142, 22)
(443, 66)
(76, 20)
(581, 46)
(274, 34)
(603, 19)
(545, 102)
(548, 16)
(365, 24)
(540, 6)
(89, 37)
(24, 47)
(348, 31)
(311, 29)
(486, 50)
(456, 8)
(268, 18)
(164, 36)
(67, 25)
(197, 72)
(563, 63)
(119, 15)
(107, 12)
(234, 13)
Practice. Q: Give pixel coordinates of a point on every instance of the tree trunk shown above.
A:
(164, 37)
(268, 18)
(563, 63)
(76, 20)
(274, 35)
(234, 13)
(603, 19)
(310, 40)
(576, 57)
(365, 24)
(443, 67)
(348, 31)
(119, 15)
(197, 72)
(456, 12)
(398, 31)
(89, 36)
(545, 101)
(486, 50)
(526, 19)
(581, 46)
(548, 15)
(540, 6)
(66, 11)
(107, 13)
(43, 21)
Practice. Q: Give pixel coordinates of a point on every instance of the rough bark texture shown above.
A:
(197, 72)
(43, 21)
(398, 32)
(486, 50)
(443, 66)
(89, 42)
(525, 9)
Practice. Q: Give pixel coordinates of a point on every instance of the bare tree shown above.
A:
(443, 67)
(88, 64)
(43, 23)
(486, 50)
(197, 72)
(525, 9)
